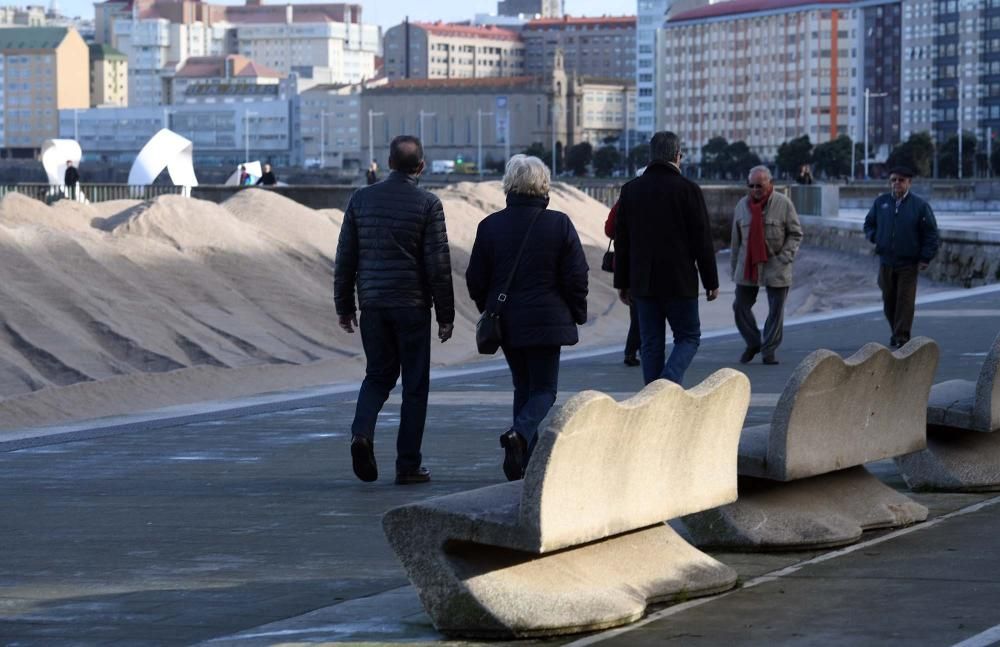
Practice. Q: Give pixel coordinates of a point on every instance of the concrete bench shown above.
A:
(963, 452)
(803, 483)
(580, 544)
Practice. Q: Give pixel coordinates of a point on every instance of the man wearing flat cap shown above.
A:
(905, 234)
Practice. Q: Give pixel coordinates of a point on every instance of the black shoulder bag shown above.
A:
(608, 261)
(488, 332)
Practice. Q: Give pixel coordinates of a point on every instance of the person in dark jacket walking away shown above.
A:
(663, 242)
(371, 175)
(71, 178)
(393, 247)
(632, 338)
(903, 228)
(546, 301)
(267, 179)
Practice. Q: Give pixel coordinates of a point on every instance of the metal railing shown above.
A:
(49, 193)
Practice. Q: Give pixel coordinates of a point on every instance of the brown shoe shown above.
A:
(363, 459)
(515, 454)
(419, 475)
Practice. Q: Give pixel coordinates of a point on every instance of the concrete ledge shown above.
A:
(580, 544)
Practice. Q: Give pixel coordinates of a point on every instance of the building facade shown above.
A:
(601, 47)
(108, 76)
(649, 16)
(330, 127)
(767, 72)
(42, 70)
(537, 8)
(415, 50)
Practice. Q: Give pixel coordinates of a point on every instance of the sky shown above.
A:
(391, 12)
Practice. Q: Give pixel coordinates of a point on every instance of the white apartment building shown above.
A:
(416, 50)
(763, 72)
(649, 18)
(347, 49)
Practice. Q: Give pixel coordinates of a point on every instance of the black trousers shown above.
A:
(535, 373)
(632, 340)
(899, 296)
(396, 339)
(746, 323)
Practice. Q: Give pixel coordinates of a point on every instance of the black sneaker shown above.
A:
(363, 459)
(631, 360)
(419, 475)
(515, 454)
(749, 354)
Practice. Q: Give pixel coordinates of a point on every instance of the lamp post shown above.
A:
(76, 125)
(555, 114)
(371, 136)
(323, 114)
(479, 129)
(868, 95)
(959, 115)
(422, 115)
(246, 133)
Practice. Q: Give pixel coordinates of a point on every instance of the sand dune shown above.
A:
(125, 306)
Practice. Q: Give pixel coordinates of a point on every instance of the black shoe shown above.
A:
(515, 454)
(771, 361)
(419, 475)
(749, 354)
(363, 458)
(631, 360)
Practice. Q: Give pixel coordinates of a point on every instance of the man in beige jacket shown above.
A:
(766, 236)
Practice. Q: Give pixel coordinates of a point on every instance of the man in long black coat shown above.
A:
(393, 247)
(663, 242)
(71, 178)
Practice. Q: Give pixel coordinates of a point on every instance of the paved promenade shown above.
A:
(247, 527)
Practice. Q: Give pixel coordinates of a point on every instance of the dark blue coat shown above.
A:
(548, 297)
(903, 236)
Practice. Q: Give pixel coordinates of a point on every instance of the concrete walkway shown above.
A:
(248, 527)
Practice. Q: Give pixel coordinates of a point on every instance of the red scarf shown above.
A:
(756, 248)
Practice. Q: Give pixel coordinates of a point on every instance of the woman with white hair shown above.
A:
(546, 300)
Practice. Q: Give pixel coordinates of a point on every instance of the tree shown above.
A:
(948, 160)
(578, 156)
(739, 160)
(833, 158)
(793, 154)
(715, 158)
(638, 157)
(916, 154)
(606, 159)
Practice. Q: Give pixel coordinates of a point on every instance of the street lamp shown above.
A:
(422, 115)
(371, 137)
(959, 115)
(479, 129)
(868, 95)
(246, 133)
(322, 137)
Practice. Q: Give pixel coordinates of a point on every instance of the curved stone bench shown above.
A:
(802, 478)
(963, 453)
(581, 544)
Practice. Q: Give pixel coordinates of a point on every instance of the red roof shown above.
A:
(736, 7)
(442, 84)
(205, 67)
(582, 21)
(467, 31)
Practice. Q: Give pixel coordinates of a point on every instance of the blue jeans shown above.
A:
(654, 314)
(394, 339)
(535, 373)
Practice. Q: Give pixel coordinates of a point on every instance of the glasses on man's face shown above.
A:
(751, 185)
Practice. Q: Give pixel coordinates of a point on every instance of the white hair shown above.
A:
(760, 169)
(526, 175)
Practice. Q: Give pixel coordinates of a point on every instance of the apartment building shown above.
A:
(537, 8)
(951, 67)
(227, 79)
(599, 109)
(42, 70)
(108, 76)
(649, 17)
(601, 47)
(330, 126)
(346, 49)
(416, 50)
(30, 16)
(766, 71)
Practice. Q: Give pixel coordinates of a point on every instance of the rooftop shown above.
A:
(737, 7)
(32, 37)
(100, 51)
(582, 21)
(231, 66)
(467, 31)
(458, 84)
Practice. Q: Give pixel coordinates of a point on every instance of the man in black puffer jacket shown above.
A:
(394, 247)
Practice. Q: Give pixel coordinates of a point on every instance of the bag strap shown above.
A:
(502, 297)
(610, 243)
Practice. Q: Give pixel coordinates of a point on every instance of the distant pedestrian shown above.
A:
(663, 242)
(393, 248)
(244, 176)
(267, 179)
(371, 176)
(765, 238)
(546, 300)
(805, 175)
(903, 228)
(632, 338)
(71, 178)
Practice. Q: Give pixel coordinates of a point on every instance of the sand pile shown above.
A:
(127, 305)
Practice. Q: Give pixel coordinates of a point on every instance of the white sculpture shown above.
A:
(253, 170)
(55, 154)
(166, 149)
